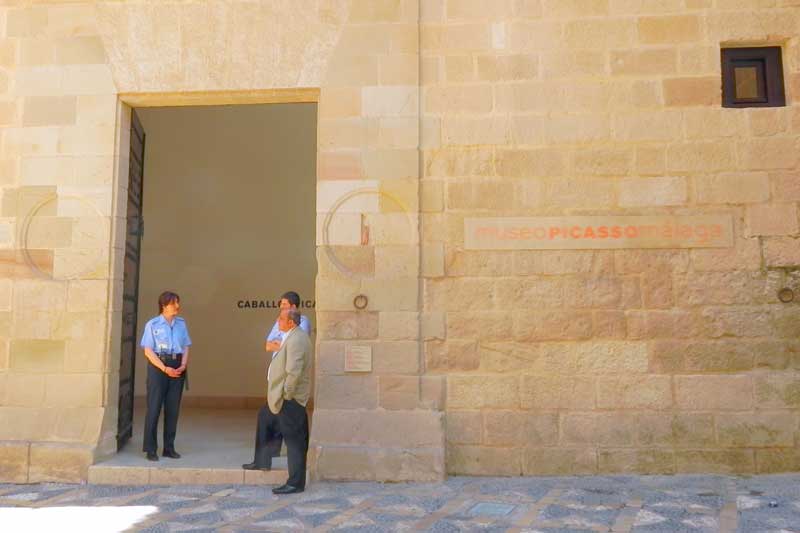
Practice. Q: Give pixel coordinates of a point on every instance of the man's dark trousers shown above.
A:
(294, 426)
(268, 438)
(162, 391)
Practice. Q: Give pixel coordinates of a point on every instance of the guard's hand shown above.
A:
(180, 370)
(171, 372)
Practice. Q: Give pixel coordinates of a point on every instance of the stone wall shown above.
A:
(579, 362)
(537, 362)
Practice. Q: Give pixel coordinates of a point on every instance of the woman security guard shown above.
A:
(166, 345)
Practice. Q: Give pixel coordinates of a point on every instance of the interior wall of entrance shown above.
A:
(229, 215)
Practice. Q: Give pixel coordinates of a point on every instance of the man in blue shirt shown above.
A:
(266, 448)
(290, 300)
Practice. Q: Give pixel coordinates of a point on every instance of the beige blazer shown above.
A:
(289, 371)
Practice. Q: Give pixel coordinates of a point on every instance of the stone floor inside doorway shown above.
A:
(759, 504)
(213, 444)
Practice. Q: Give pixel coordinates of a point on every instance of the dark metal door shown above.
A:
(130, 296)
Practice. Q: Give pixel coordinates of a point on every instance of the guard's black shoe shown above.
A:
(287, 489)
(172, 454)
(152, 456)
(254, 466)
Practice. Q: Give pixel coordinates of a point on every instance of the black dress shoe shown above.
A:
(152, 456)
(254, 466)
(172, 454)
(287, 489)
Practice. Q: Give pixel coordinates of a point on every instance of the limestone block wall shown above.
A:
(69, 72)
(59, 153)
(431, 111)
(579, 362)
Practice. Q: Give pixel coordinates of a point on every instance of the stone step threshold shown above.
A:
(101, 474)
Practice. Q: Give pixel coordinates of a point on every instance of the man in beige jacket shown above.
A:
(288, 389)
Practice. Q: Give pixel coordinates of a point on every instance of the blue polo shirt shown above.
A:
(277, 335)
(163, 337)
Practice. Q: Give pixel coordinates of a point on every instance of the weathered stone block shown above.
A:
(775, 461)
(715, 461)
(624, 461)
(14, 461)
(459, 99)
(683, 92)
(714, 392)
(495, 326)
(644, 62)
(777, 390)
(347, 325)
(395, 464)
(432, 392)
(408, 429)
(781, 252)
(732, 188)
(36, 355)
(464, 427)
(634, 392)
(746, 255)
(609, 325)
(49, 111)
(552, 392)
(762, 429)
(346, 392)
(636, 192)
(339, 102)
(475, 263)
(433, 325)
(74, 390)
(507, 68)
(459, 162)
(59, 463)
(483, 461)
(604, 429)
(455, 355)
(508, 357)
(553, 325)
(679, 430)
(705, 156)
(398, 325)
(559, 461)
(476, 392)
(396, 357)
(24, 390)
(519, 428)
(770, 153)
(670, 29)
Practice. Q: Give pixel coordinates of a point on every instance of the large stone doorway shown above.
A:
(228, 222)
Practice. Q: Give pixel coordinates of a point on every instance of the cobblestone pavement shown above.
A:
(641, 504)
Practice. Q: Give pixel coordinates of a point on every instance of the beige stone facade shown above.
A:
(430, 112)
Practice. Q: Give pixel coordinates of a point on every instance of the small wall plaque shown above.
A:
(358, 358)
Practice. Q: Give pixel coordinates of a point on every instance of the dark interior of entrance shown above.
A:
(221, 210)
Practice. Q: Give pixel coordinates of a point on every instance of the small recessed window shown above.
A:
(752, 77)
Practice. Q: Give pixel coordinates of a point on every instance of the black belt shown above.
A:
(169, 356)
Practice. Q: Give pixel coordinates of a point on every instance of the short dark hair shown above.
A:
(166, 298)
(292, 297)
(294, 316)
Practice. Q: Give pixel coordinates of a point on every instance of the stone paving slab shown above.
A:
(638, 504)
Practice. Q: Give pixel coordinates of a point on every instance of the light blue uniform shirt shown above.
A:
(161, 337)
(277, 335)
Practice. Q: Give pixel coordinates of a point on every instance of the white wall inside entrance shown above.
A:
(229, 210)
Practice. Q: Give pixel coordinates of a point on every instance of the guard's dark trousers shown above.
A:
(268, 438)
(162, 391)
(294, 426)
